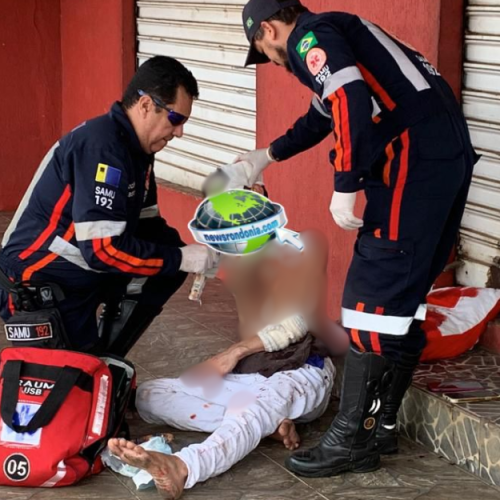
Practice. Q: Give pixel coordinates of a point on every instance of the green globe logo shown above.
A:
(237, 222)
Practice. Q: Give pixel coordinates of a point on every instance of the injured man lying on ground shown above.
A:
(279, 373)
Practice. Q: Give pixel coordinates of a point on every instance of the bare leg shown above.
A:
(169, 472)
(287, 434)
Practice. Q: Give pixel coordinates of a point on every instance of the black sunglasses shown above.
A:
(176, 119)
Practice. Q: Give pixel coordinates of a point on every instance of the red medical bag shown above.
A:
(58, 409)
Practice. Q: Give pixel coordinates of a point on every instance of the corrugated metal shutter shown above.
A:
(480, 235)
(207, 36)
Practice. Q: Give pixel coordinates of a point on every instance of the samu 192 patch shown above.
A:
(306, 44)
(108, 175)
(19, 332)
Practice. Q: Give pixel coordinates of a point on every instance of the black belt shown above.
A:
(31, 296)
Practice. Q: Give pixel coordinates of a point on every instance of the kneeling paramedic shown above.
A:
(89, 224)
(400, 137)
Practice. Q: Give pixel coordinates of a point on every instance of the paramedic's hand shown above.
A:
(198, 259)
(259, 160)
(342, 210)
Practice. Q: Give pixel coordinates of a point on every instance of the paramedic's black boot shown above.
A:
(124, 329)
(387, 434)
(349, 444)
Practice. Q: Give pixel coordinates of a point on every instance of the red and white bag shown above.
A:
(456, 318)
(58, 410)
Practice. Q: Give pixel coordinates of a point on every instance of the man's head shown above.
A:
(268, 25)
(158, 101)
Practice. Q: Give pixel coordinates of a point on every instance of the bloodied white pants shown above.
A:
(244, 410)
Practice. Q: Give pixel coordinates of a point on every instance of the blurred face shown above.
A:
(156, 125)
(275, 53)
(274, 43)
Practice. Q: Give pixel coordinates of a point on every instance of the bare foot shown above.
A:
(165, 435)
(287, 434)
(169, 472)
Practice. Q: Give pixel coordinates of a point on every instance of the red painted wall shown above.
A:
(63, 61)
(178, 208)
(30, 91)
(98, 56)
(304, 185)
(450, 52)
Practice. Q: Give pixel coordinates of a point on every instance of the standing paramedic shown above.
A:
(400, 137)
(89, 221)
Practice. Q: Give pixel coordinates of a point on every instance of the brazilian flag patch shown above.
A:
(306, 44)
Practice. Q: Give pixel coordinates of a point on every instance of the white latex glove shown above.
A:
(235, 176)
(239, 174)
(342, 210)
(259, 159)
(198, 259)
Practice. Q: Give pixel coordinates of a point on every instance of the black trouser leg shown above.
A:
(122, 325)
(410, 351)
(349, 444)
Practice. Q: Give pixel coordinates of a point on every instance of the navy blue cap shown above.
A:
(254, 13)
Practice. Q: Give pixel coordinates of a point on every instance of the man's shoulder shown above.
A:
(96, 133)
(313, 29)
(338, 21)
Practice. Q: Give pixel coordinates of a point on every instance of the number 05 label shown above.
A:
(16, 467)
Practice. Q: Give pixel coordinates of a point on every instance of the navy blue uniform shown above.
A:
(90, 222)
(401, 137)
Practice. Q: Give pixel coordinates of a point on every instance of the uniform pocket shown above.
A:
(382, 268)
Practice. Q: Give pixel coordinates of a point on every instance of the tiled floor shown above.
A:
(467, 434)
(185, 334)
(477, 365)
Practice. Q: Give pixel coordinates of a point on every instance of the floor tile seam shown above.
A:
(299, 479)
(198, 324)
(222, 336)
(118, 477)
(145, 369)
(481, 450)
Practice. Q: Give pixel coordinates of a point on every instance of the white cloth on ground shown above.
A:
(247, 409)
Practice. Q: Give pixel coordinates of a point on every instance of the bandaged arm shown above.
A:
(271, 338)
(280, 336)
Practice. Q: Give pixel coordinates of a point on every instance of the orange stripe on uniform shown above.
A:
(343, 148)
(126, 268)
(28, 272)
(389, 152)
(377, 88)
(10, 305)
(346, 130)
(400, 186)
(355, 333)
(339, 150)
(130, 259)
(374, 337)
(53, 222)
